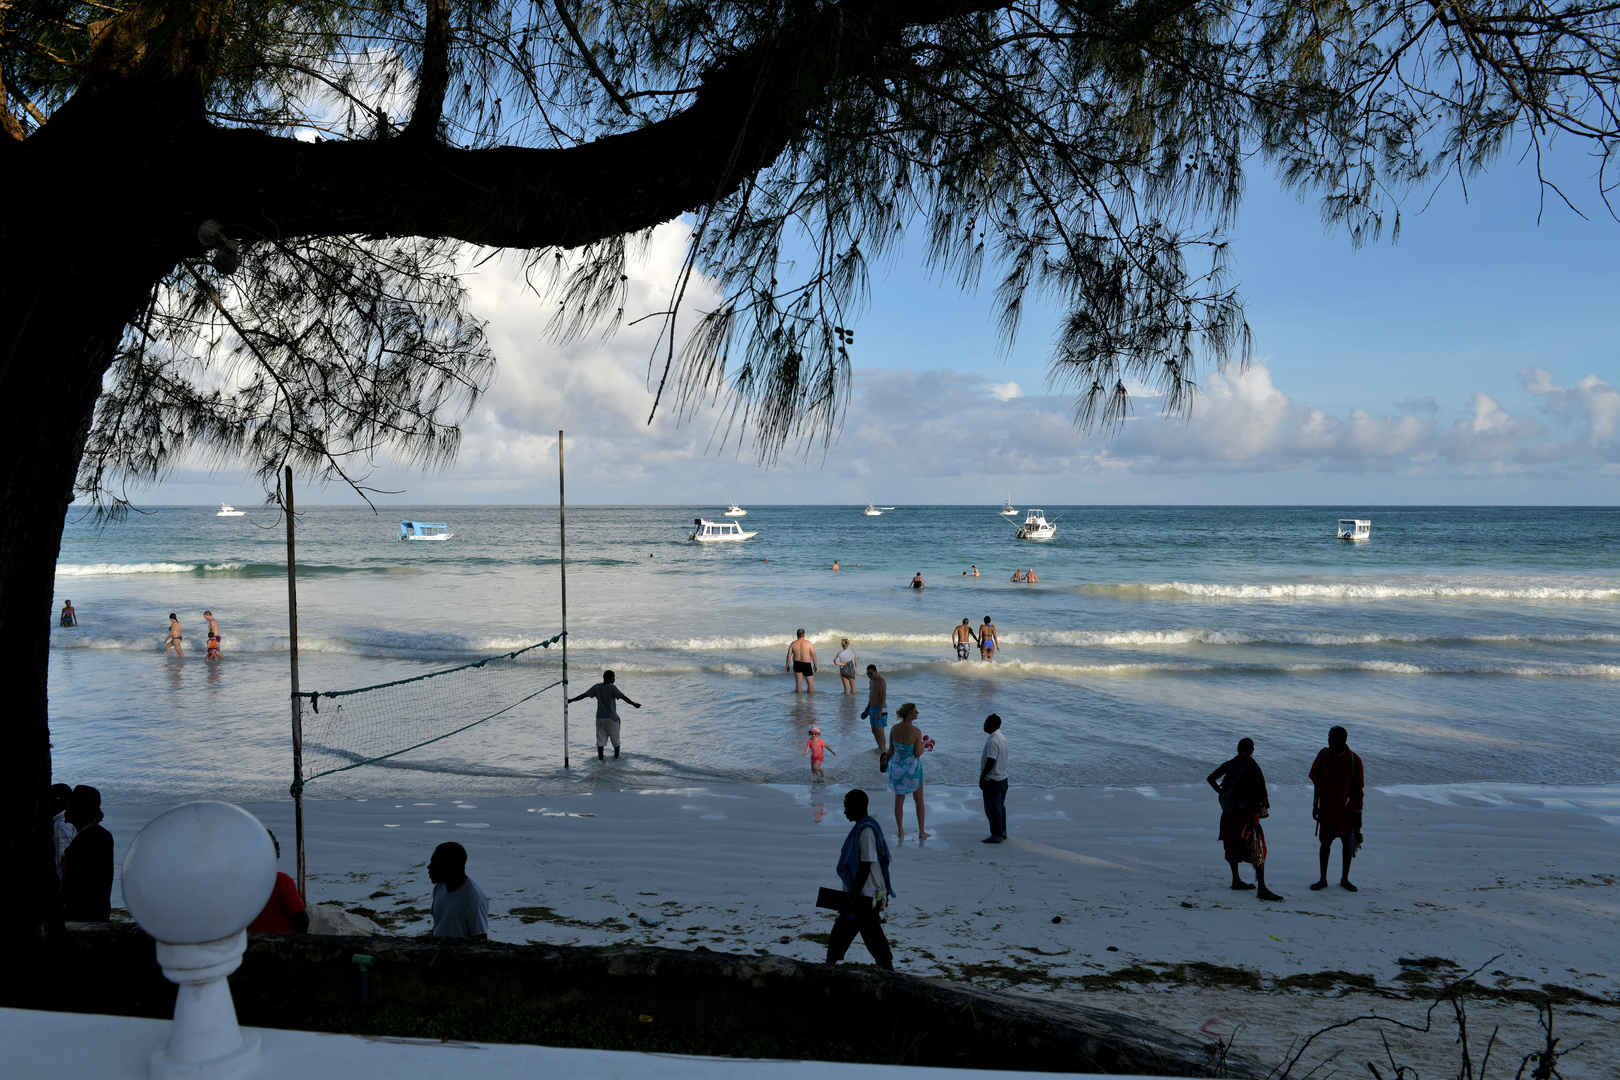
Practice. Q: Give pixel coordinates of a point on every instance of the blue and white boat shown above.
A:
(424, 530)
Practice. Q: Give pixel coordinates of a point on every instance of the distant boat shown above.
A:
(733, 510)
(227, 510)
(1007, 509)
(714, 532)
(872, 511)
(1355, 529)
(424, 530)
(1036, 527)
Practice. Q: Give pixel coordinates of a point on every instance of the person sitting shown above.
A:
(460, 908)
(87, 864)
(69, 616)
(61, 831)
(284, 912)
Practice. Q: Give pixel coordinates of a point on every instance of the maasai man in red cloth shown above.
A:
(1337, 806)
(1242, 790)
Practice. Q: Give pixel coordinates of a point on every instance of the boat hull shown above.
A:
(426, 539)
(725, 539)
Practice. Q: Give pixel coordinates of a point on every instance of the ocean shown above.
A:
(1457, 645)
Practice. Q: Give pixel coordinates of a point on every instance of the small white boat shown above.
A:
(872, 511)
(424, 530)
(1007, 509)
(714, 532)
(227, 510)
(1355, 529)
(733, 510)
(1036, 527)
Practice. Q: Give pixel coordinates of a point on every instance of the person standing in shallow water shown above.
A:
(1241, 787)
(1337, 774)
(801, 660)
(607, 697)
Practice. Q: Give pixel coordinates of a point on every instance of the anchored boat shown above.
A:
(714, 532)
(1036, 527)
(1007, 509)
(733, 510)
(424, 530)
(1355, 529)
(227, 510)
(871, 511)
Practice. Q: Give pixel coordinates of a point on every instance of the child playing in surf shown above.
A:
(816, 747)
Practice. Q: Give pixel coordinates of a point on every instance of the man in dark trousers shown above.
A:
(993, 779)
(87, 864)
(863, 867)
(607, 698)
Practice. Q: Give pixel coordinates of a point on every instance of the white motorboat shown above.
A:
(715, 532)
(733, 510)
(424, 530)
(1036, 527)
(227, 510)
(1007, 509)
(1355, 529)
(872, 511)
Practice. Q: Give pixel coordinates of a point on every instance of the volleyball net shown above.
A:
(347, 729)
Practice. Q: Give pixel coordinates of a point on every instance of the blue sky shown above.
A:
(1477, 361)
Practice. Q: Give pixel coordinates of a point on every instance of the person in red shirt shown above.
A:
(284, 912)
(1337, 774)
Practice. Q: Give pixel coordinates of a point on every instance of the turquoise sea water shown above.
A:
(1457, 645)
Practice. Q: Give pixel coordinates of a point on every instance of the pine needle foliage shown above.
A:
(1090, 154)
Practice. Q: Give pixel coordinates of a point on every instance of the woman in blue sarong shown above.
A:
(905, 769)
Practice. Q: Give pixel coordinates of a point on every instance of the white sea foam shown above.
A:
(1386, 667)
(103, 569)
(1346, 590)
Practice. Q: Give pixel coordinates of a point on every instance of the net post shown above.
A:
(297, 702)
(562, 551)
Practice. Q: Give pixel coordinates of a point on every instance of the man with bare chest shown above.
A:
(801, 660)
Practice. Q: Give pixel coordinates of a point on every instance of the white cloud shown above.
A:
(946, 435)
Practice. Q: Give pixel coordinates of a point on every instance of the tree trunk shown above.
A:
(63, 307)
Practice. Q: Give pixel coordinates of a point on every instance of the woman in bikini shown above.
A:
(987, 639)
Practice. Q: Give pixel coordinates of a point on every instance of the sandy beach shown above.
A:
(1119, 895)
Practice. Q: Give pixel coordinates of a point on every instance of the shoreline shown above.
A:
(1520, 878)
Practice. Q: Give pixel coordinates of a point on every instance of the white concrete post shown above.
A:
(193, 879)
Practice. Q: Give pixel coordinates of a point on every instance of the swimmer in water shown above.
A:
(917, 582)
(1029, 575)
(1018, 575)
(835, 564)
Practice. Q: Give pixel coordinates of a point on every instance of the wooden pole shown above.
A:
(297, 702)
(562, 548)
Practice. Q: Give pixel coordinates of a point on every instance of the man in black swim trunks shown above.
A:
(801, 660)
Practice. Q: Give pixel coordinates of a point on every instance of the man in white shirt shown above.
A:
(460, 908)
(993, 779)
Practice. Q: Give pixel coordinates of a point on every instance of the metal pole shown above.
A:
(297, 702)
(562, 548)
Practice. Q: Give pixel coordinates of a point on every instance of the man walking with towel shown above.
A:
(863, 867)
(607, 698)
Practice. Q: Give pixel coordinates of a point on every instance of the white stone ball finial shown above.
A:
(193, 879)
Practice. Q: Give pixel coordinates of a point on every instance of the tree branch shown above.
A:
(590, 61)
(433, 79)
(536, 197)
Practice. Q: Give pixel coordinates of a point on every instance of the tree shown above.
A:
(229, 227)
